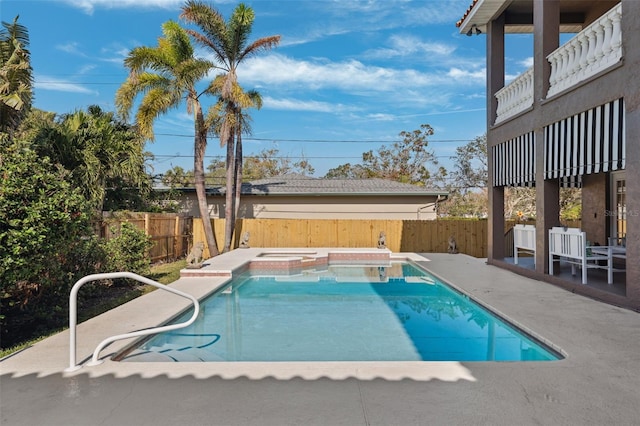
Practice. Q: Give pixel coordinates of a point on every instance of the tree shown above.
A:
(348, 171)
(268, 163)
(177, 177)
(470, 204)
(16, 80)
(570, 203)
(405, 161)
(467, 182)
(229, 44)
(470, 165)
(166, 75)
(104, 156)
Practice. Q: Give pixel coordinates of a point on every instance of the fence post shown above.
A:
(176, 233)
(147, 224)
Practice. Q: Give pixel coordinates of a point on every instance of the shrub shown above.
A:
(129, 251)
(46, 243)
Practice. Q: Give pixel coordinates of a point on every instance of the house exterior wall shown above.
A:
(631, 46)
(594, 208)
(320, 207)
(620, 81)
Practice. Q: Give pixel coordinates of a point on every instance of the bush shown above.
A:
(46, 243)
(129, 251)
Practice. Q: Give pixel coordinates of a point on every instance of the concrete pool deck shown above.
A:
(597, 383)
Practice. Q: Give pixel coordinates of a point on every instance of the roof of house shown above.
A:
(481, 12)
(295, 184)
(466, 13)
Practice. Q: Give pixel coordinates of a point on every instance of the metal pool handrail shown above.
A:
(73, 315)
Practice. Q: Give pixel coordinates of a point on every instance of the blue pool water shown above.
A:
(367, 313)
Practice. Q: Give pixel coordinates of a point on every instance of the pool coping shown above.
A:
(159, 307)
(595, 384)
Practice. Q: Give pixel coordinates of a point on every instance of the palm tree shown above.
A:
(165, 76)
(229, 44)
(16, 80)
(103, 155)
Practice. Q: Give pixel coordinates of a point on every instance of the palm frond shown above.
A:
(215, 86)
(155, 103)
(180, 45)
(261, 45)
(190, 71)
(210, 22)
(16, 78)
(239, 29)
(15, 31)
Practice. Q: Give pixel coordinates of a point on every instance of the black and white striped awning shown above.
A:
(514, 161)
(586, 143)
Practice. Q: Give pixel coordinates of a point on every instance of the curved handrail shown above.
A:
(73, 315)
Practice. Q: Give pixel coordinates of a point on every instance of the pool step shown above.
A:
(173, 353)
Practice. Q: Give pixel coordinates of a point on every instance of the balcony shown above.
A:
(592, 51)
(515, 97)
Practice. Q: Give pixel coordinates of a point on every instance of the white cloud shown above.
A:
(393, 13)
(301, 105)
(411, 44)
(71, 47)
(412, 47)
(368, 16)
(460, 75)
(86, 69)
(348, 75)
(381, 117)
(88, 6)
(527, 62)
(44, 82)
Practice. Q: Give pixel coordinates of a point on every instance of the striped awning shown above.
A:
(514, 161)
(586, 143)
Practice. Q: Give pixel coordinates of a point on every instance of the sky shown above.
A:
(346, 78)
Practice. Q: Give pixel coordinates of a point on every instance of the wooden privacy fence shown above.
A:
(170, 233)
(174, 234)
(401, 235)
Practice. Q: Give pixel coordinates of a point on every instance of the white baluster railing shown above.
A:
(591, 51)
(515, 97)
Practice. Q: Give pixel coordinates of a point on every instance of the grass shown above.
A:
(164, 273)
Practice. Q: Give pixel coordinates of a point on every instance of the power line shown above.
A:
(177, 135)
(164, 157)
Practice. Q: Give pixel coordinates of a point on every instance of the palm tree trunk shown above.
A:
(238, 171)
(237, 175)
(229, 195)
(200, 145)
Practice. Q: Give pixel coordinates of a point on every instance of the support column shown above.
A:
(496, 223)
(630, 30)
(495, 66)
(495, 82)
(546, 39)
(547, 207)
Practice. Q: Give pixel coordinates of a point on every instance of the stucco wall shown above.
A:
(320, 207)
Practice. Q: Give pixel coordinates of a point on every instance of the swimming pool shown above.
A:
(391, 312)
